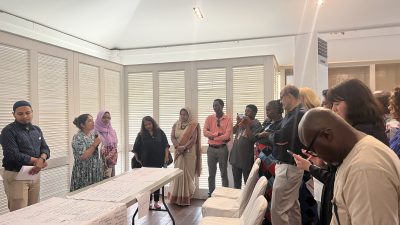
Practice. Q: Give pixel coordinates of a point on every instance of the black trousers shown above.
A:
(156, 195)
(237, 176)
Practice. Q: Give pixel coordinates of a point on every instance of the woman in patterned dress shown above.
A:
(88, 166)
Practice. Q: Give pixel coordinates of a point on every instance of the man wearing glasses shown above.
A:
(367, 183)
(23, 145)
(285, 194)
(218, 129)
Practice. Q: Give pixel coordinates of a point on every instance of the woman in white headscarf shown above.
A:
(185, 137)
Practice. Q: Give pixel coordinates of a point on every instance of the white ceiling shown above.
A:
(126, 24)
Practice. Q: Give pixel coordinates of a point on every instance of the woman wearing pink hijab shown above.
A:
(109, 142)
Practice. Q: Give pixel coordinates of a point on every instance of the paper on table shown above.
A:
(55, 211)
(23, 174)
(143, 204)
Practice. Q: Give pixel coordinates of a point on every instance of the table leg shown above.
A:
(165, 205)
(133, 218)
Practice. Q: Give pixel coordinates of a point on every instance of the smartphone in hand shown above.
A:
(290, 152)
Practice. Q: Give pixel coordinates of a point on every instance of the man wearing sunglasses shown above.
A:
(367, 183)
(285, 194)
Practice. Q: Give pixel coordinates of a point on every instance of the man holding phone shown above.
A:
(288, 178)
(366, 187)
(242, 153)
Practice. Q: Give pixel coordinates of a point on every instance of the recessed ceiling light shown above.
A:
(198, 13)
(320, 2)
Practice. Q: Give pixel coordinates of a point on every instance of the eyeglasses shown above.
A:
(218, 122)
(309, 148)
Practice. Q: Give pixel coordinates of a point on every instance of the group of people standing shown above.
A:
(94, 148)
(317, 150)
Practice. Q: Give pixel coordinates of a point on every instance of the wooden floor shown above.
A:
(188, 215)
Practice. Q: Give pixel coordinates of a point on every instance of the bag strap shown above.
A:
(336, 213)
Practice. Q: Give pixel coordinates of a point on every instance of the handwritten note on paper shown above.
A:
(68, 212)
(143, 204)
(126, 186)
(23, 174)
(112, 191)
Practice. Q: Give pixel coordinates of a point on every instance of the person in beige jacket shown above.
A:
(367, 184)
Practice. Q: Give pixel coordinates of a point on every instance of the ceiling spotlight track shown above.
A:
(198, 13)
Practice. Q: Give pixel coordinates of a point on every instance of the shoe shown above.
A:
(209, 195)
(156, 205)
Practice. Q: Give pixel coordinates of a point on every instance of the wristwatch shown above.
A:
(44, 159)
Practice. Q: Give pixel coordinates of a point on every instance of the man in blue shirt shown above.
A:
(23, 144)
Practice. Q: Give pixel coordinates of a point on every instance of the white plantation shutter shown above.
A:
(53, 120)
(172, 99)
(54, 182)
(277, 85)
(112, 101)
(89, 89)
(248, 88)
(14, 86)
(140, 103)
(53, 103)
(211, 84)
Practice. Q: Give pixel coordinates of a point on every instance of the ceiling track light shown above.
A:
(198, 13)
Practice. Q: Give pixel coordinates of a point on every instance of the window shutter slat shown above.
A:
(140, 102)
(54, 182)
(277, 85)
(53, 103)
(172, 99)
(89, 89)
(14, 86)
(248, 88)
(112, 101)
(211, 84)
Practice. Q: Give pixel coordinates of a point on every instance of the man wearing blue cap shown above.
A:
(23, 145)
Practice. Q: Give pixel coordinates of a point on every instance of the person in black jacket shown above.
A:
(151, 148)
(286, 207)
(353, 101)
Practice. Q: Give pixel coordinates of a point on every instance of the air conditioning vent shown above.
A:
(322, 52)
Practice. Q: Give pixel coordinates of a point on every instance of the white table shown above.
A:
(68, 212)
(125, 188)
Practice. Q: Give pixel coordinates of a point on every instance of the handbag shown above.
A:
(135, 163)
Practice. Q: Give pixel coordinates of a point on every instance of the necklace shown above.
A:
(183, 126)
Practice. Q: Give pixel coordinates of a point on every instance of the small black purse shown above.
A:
(135, 163)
